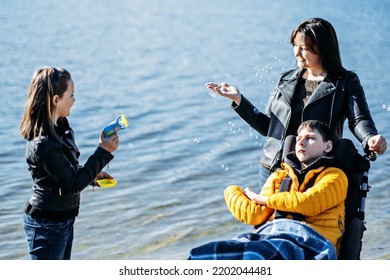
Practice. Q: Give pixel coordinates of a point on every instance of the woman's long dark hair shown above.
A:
(321, 38)
(38, 113)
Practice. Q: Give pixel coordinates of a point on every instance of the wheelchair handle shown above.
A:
(371, 155)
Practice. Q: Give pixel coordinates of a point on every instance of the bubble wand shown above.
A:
(119, 124)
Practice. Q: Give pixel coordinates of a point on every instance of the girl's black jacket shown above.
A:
(58, 177)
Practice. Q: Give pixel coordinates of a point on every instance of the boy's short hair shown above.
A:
(321, 127)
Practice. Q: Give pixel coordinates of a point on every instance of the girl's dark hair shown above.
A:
(38, 113)
(321, 38)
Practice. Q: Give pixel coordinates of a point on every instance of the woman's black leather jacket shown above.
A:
(332, 103)
(58, 177)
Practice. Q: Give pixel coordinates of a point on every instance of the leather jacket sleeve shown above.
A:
(251, 115)
(57, 167)
(359, 117)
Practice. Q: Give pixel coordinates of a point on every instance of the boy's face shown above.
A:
(310, 146)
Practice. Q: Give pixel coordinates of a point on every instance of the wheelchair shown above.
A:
(356, 167)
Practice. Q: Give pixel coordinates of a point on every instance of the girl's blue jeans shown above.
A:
(49, 239)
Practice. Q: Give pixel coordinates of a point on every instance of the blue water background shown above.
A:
(150, 60)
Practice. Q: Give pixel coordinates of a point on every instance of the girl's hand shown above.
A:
(226, 90)
(101, 175)
(110, 144)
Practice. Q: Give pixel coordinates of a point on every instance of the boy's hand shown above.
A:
(260, 199)
(249, 193)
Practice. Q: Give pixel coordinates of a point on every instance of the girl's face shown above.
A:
(306, 58)
(64, 103)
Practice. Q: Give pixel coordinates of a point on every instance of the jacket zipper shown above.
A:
(331, 107)
(282, 137)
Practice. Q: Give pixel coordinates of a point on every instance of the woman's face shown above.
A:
(306, 58)
(64, 103)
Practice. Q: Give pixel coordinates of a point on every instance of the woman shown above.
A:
(52, 158)
(320, 88)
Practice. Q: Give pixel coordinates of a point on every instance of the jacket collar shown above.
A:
(296, 165)
(326, 87)
(293, 75)
(290, 79)
(66, 134)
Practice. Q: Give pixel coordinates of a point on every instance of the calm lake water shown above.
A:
(149, 60)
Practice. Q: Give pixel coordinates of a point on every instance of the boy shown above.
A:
(301, 206)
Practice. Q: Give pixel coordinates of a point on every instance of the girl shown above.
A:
(52, 159)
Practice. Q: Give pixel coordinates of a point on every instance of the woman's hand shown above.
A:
(226, 90)
(377, 144)
(110, 144)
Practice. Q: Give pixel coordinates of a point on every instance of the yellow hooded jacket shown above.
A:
(322, 204)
